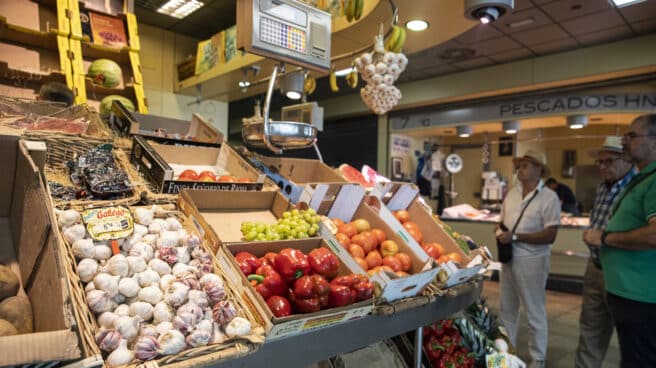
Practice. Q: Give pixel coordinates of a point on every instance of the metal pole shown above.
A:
(419, 336)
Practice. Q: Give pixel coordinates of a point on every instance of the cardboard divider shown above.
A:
(26, 245)
(31, 16)
(339, 201)
(292, 175)
(298, 323)
(156, 161)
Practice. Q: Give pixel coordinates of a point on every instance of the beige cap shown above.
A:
(612, 143)
(537, 158)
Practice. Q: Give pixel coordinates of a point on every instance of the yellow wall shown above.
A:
(161, 51)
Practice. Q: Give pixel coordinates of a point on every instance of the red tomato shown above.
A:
(188, 175)
(245, 180)
(374, 259)
(338, 222)
(344, 240)
(431, 250)
(206, 178)
(227, 179)
(416, 234)
(410, 225)
(406, 263)
(356, 250)
(380, 235)
(455, 257)
(402, 216)
(393, 263)
(206, 175)
(348, 229)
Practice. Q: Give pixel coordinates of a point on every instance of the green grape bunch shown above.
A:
(293, 224)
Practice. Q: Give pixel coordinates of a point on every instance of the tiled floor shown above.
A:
(563, 312)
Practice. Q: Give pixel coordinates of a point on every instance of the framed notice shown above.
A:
(108, 31)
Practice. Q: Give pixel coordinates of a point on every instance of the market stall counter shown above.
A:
(305, 348)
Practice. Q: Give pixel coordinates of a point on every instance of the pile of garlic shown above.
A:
(380, 69)
(158, 296)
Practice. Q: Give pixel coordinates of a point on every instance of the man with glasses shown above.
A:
(628, 251)
(596, 323)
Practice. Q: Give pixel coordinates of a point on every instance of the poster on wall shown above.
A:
(400, 145)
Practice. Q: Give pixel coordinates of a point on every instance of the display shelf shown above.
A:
(25, 36)
(304, 349)
(92, 51)
(97, 90)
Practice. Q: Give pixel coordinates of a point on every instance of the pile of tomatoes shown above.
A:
(209, 176)
(434, 250)
(371, 248)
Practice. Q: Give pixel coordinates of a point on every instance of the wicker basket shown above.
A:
(195, 357)
(402, 305)
(452, 292)
(62, 148)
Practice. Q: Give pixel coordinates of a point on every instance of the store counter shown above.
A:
(569, 254)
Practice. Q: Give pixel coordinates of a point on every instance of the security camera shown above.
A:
(487, 11)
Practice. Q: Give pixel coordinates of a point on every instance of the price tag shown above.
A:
(108, 223)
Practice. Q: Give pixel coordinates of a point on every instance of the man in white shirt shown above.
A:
(524, 277)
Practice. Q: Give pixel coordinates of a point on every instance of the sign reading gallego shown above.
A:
(108, 223)
(527, 108)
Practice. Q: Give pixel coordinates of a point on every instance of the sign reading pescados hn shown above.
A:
(526, 108)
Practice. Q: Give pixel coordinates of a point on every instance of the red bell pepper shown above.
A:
(279, 305)
(247, 262)
(340, 295)
(359, 284)
(291, 264)
(269, 282)
(323, 262)
(310, 293)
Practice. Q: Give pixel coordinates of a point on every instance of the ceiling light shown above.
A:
(292, 84)
(179, 8)
(511, 126)
(623, 3)
(417, 25)
(344, 72)
(521, 23)
(464, 131)
(244, 83)
(577, 121)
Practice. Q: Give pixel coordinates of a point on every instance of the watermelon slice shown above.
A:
(352, 175)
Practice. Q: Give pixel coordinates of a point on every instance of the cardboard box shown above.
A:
(210, 53)
(398, 196)
(28, 245)
(223, 212)
(293, 174)
(108, 31)
(161, 163)
(298, 323)
(32, 16)
(348, 202)
(131, 123)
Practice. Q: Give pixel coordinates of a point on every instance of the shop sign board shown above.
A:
(527, 108)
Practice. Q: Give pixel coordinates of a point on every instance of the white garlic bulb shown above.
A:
(140, 230)
(181, 268)
(148, 278)
(239, 326)
(176, 294)
(136, 264)
(162, 313)
(99, 301)
(148, 330)
(143, 250)
(191, 308)
(107, 319)
(164, 327)
(141, 309)
(159, 266)
(168, 239)
(108, 340)
(128, 287)
(146, 348)
(171, 342)
(205, 325)
(166, 281)
(84, 248)
(68, 218)
(117, 266)
(107, 282)
(90, 286)
(118, 298)
(198, 297)
(198, 338)
(157, 226)
(121, 356)
(183, 254)
(151, 294)
(73, 233)
(210, 277)
(128, 326)
(87, 269)
(102, 252)
(150, 239)
(173, 224)
(122, 310)
(143, 216)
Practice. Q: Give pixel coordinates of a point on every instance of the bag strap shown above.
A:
(633, 183)
(524, 209)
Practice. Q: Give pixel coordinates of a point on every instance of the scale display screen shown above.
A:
(286, 30)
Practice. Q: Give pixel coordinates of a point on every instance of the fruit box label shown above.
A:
(108, 222)
(404, 287)
(175, 186)
(324, 320)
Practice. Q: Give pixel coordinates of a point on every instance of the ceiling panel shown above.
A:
(185, 27)
(495, 46)
(211, 19)
(440, 69)
(476, 62)
(538, 18)
(150, 17)
(606, 35)
(511, 55)
(541, 35)
(522, 4)
(594, 22)
(568, 9)
(550, 47)
(646, 26)
(479, 33)
(640, 11)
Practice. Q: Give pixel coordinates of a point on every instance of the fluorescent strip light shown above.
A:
(464, 131)
(623, 3)
(521, 23)
(343, 72)
(180, 8)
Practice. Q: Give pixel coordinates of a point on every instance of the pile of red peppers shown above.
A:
(294, 282)
(442, 345)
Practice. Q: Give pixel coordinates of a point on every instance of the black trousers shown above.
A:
(636, 331)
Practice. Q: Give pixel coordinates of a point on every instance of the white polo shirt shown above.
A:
(542, 212)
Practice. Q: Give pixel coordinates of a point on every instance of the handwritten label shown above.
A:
(108, 222)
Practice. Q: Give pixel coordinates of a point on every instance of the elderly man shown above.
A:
(628, 251)
(524, 277)
(596, 322)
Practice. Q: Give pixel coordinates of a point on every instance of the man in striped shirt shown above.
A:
(596, 322)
